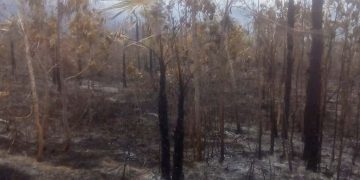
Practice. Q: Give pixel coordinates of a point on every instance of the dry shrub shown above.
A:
(86, 107)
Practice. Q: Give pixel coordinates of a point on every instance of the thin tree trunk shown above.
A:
(137, 40)
(237, 120)
(225, 32)
(271, 94)
(45, 119)
(342, 126)
(222, 135)
(151, 62)
(263, 102)
(298, 78)
(35, 99)
(197, 73)
(328, 66)
(296, 107)
(13, 59)
(124, 73)
(260, 133)
(357, 133)
(273, 131)
(61, 82)
(56, 72)
(80, 68)
(64, 119)
(261, 93)
(335, 128)
(345, 94)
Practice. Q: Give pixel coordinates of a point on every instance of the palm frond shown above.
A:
(7, 24)
(129, 6)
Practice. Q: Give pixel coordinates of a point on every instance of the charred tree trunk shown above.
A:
(260, 120)
(137, 40)
(271, 94)
(357, 133)
(197, 121)
(124, 78)
(80, 68)
(63, 94)
(344, 114)
(163, 117)
(151, 62)
(332, 158)
(273, 132)
(179, 130)
(299, 80)
(237, 120)
(56, 71)
(288, 78)
(260, 133)
(313, 99)
(289, 68)
(12, 58)
(328, 66)
(222, 135)
(345, 95)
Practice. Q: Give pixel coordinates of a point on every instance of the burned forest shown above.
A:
(179, 89)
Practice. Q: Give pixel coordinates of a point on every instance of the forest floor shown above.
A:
(129, 140)
(241, 161)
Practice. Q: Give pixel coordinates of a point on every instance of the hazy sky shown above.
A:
(9, 8)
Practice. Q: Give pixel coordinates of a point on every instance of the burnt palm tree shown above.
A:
(131, 6)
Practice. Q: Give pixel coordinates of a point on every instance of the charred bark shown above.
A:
(313, 98)
(289, 68)
(151, 62)
(124, 78)
(179, 130)
(12, 57)
(163, 117)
